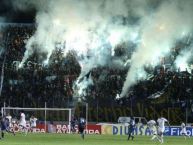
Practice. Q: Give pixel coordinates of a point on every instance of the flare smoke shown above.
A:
(170, 22)
(95, 27)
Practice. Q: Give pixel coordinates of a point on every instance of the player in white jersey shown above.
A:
(22, 122)
(161, 127)
(183, 131)
(153, 129)
(9, 118)
(33, 123)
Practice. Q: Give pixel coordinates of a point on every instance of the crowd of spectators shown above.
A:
(35, 84)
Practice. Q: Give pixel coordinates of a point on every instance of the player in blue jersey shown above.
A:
(81, 126)
(3, 126)
(131, 129)
(4, 123)
(73, 124)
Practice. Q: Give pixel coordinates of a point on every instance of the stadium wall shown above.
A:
(58, 128)
(105, 129)
(116, 129)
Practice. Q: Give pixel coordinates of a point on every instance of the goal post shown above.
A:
(5, 110)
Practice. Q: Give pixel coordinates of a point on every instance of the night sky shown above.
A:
(15, 16)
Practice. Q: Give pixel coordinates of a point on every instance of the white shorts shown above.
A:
(22, 124)
(161, 130)
(153, 130)
(183, 131)
(33, 126)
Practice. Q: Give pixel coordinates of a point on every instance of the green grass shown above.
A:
(74, 139)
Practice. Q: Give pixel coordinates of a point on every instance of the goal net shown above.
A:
(52, 120)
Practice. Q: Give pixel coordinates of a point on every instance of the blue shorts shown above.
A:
(3, 127)
(131, 130)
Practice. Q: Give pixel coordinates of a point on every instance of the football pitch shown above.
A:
(74, 139)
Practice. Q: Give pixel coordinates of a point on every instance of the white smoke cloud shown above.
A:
(182, 60)
(25, 5)
(93, 28)
(159, 33)
(80, 87)
(84, 26)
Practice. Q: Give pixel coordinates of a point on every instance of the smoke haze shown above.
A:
(94, 28)
(170, 22)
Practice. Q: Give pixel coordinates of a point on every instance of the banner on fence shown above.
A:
(90, 129)
(115, 129)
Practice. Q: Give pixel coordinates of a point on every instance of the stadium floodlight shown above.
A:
(46, 110)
